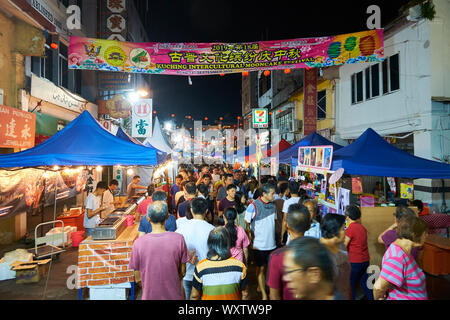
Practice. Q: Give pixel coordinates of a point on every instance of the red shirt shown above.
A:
(358, 251)
(275, 274)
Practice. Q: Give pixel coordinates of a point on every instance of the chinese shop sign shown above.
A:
(17, 128)
(217, 58)
(310, 102)
(141, 120)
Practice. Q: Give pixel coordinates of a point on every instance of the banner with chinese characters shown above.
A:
(216, 58)
(17, 128)
(310, 101)
(23, 190)
(141, 119)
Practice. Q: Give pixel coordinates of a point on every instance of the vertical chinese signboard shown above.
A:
(17, 128)
(260, 118)
(310, 102)
(141, 119)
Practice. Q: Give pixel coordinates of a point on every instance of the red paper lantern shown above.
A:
(154, 111)
(222, 74)
(220, 118)
(206, 118)
(173, 115)
(54, 45)
(267, 72)
(245, 73)
(287, 71)
(270, 113)
(239, 118)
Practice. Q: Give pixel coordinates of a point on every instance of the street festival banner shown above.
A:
(22, 190)
(215, 58)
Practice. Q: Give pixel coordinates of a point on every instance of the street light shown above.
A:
(143, 93)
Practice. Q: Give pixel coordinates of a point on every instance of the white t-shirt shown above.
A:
(288, 202)
(181, 221)
(93, 203)
(263, 229)
(108, 199)
(195, 233)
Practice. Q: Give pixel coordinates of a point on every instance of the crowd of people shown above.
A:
(198, 238)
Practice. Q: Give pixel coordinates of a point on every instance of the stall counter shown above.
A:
(105, 262)
(376, 220)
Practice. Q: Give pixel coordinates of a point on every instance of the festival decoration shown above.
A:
(222, 58)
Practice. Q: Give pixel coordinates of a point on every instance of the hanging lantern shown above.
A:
(173, 115)
(245, 73)
(239, 118)
(154, 111)
(267, 73)
(54, 45)
(287, 71)
(222, 74)
(220, 118)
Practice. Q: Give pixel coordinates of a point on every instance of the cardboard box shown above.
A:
(30, 272)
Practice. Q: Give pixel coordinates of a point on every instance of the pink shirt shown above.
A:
(241, 243)
(143, 206)
(401, 270)
(158, 258)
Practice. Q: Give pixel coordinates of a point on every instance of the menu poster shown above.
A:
(406, 191)
(343, 200)
(319, 157)
(357, 185)
(23, 190)
(323, 186)
(392, 186)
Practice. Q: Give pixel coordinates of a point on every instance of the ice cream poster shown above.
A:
(406, 190)
(318, 157)
(343, 200)
(357, 185)
(219, 58)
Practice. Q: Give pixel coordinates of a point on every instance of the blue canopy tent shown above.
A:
(82, 142)
(290, 155)
(161, 156)
(371, 155)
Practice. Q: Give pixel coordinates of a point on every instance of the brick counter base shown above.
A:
(104, 263)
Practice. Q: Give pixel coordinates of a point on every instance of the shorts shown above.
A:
(261, 257)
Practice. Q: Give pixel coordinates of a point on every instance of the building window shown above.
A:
(372, 80)
(43, 66)
(63, 74)
(390, 79)
(284, 121)
(391, 74)
(264, 84)
(357, 87)
(321, 105)
(77, 81)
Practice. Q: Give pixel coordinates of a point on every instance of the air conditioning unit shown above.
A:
(415, 13)
(298, 125)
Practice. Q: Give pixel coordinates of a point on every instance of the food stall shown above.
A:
(84, 144)
(371, 155)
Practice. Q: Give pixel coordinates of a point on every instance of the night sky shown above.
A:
(240, 21)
